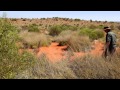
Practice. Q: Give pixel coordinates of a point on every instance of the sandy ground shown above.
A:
(53, 52)
(56, 53)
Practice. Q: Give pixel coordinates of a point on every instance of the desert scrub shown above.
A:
(92, 26)
(44, 69)
(11, 62)
(79, 43)
(90, 67)
(57, 29)
(93, 34)
(33, 28)
(100, 27)
(86, 67)
(34, 40)
(63, 37)
(73, 40)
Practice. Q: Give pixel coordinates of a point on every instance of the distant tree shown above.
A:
(90, 20)
(24, 19)
(77, 19)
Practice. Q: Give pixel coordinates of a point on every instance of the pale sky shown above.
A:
(84, 15)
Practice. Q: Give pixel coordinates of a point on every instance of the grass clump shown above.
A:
(74, 41)
(34, 40)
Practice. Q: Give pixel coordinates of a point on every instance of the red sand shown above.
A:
(53, 52)
(56, 53)
(99, 47)
(97, 51)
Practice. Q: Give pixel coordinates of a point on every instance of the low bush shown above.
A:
(33, 28)
(74, 41)
(93, 34)
(34, 40)
(57, 29)
(11, 62)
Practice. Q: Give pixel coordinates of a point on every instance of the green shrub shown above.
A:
(68, 27)
(101, 26)
(99, 33)
(57, 29)
(33, 28)
(92, 33)
(24, 19)
(11, 62)
(8, 37)
(14, 19)
(77, 19)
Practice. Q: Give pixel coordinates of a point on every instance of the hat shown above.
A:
(107, 28)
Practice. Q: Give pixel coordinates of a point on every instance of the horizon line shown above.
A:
(55, 17)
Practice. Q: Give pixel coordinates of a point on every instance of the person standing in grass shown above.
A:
(110, 45)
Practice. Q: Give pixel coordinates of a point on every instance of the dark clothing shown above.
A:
(110, 51)
(111, 37)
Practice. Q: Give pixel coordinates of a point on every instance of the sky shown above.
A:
(83, 15)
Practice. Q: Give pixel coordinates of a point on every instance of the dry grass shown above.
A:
(86, 67)
(34, 39)
(44, 69)
(90, 67)
(74, 41)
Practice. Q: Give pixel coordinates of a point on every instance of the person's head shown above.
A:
(107, 29)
